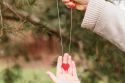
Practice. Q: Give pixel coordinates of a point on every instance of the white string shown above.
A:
(70, 32)
(60, 30)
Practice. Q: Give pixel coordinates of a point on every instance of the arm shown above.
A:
(106, 20)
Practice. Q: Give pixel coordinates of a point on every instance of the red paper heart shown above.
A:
(65, 66)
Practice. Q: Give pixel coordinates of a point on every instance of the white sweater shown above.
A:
(107, 20)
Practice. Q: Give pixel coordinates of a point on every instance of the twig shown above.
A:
(25, 16)
(1, 22)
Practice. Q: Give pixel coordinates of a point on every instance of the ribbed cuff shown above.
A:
(92, 14)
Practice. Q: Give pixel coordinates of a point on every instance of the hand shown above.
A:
(62, 76)
(77, 4)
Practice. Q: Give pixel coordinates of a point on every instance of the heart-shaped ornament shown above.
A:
(65, 66)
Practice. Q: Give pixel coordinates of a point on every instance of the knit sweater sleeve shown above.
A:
(107, 20)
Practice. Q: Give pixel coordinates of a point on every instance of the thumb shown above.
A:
(78, 1)
(82, 2)
(52, 76)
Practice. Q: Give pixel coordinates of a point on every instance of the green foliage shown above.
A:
(22, 3)
(12, 74)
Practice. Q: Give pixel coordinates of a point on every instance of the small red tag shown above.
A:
(65, 66)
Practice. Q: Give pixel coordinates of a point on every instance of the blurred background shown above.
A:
(30, 44)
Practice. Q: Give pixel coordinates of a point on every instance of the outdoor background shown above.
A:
(30, 44)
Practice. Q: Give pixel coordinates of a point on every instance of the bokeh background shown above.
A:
(30, 44)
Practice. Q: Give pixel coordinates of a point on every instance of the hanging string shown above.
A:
(70, 31)
(60, 30)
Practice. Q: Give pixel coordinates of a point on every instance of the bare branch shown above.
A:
(21, 15)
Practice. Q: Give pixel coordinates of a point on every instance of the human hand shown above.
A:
(63, 76)
(77, 4)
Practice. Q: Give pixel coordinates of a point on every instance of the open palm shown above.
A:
(63, 76)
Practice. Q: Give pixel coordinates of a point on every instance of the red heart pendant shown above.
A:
(65, 66)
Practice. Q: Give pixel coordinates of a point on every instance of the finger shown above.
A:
(52, 76)
(70, 63)
(65, 61)
(74, 69)
(59, 69)
(70, 5)
(81, 1)
(65, 58)
(65, 1)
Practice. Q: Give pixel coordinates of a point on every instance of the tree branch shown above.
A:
(21, 15)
